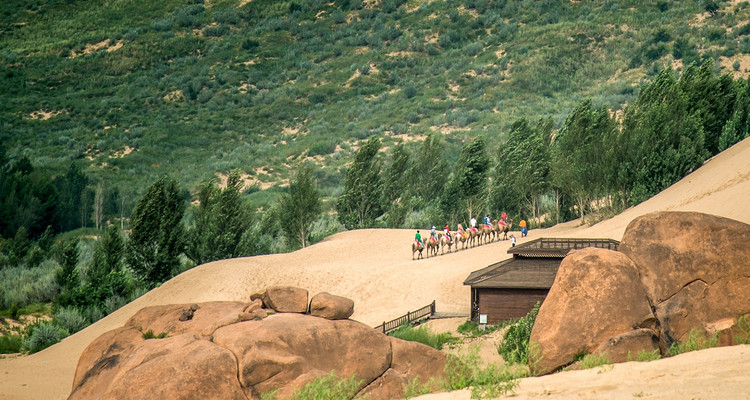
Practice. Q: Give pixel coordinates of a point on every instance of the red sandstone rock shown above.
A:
(285, 299)
(597, 295)
(328, 306)
(694, 267)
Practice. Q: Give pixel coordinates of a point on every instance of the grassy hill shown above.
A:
(136, 89)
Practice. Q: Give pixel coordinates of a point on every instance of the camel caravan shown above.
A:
(473, 236)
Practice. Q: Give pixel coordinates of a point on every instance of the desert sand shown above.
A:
(375, 268)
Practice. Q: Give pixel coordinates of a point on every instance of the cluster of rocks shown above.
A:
(278, 341)
(675, 274)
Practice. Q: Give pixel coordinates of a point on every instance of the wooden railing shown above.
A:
(411, 316)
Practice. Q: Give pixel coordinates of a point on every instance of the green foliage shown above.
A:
(427, 175)
(301, 206)
(471, 328)
(361, 201)
(594, 360)
(515, 345)
(422, 335)
(744, 336)
(221, 221)
(157, 238)
(21, 286)
(70, 319)
(645, 355)
(466, 187)
(11, 343)
(43, 335)
(696, 341)
(465, 371)
(329, 387)
(149, 334)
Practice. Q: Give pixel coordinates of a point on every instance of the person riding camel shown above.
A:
(447, 232)
(504, 217)
(460, 230)
(433, 234)
(418, 239)
(473, 223)
(487, 221)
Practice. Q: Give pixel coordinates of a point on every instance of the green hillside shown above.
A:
(135, 89)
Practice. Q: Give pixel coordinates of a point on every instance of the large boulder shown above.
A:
(596, 296)
(412, 362)
(284, 299)
(217, 353)
(287, 351)
(695, 269)
(329, 306)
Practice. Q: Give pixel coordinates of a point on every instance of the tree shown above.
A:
(467, 186)
(99, 206)
(522, 172)
(157, 235)
(72, 190)
(394, 190)
(221, 220)
(105, 276)
(578, 154)
(361, 201)
(301, 206)
(662, 140)
(430, 169)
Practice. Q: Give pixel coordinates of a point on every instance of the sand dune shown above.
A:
(375, 269)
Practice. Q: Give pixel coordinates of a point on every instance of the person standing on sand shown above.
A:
(512, 240)
(524, 231)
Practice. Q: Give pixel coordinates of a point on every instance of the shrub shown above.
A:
(422, 335)
(113, 303)
(744, 327)
(149, 334)
(70, 319)
(11, 343)
(695, 341)
(645, 355)
(471, 328)
(329, 387)
(464, 371)
(515, 345)
(594, 360)
(43, 335)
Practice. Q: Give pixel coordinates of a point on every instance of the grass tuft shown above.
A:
(645, 355)
(423, 335)
(149, 334)
(329, 387)
(695, 341)
(515, 345)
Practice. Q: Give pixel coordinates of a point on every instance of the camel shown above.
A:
(444, 241)
(486, 233)
(432, 246)
(474, 237)
(506, 228)
(416, 247)
(460, 236)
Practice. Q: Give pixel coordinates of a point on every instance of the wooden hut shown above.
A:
(510, 288)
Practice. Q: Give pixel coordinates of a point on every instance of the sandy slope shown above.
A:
(374, 268)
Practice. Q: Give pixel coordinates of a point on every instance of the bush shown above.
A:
(471, 328)
(43, 335)
(70, 319)
(465, 371)
(149, 334)
(645, 355)
(11, 343)
(515, 345)
(594, 360)
(695, 341)
(422, 335)
(329, 387)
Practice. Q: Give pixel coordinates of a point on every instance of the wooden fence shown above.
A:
(411, 316)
